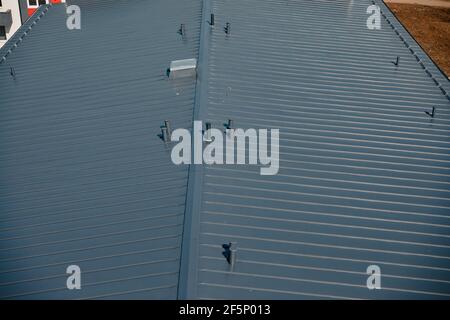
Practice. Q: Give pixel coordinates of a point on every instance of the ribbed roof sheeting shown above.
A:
(84, 178)
(364, 173)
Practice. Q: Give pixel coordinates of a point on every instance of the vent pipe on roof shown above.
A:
(13, 73)
(167, 125)
(232, 259)
(211, 21)
(227, 28)
(182, 30)
(165, 135)
(166, 132)
(230, 253)
(208, 132)
(230, 124)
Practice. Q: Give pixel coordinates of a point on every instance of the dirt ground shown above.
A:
(434, 3)
(430, 26)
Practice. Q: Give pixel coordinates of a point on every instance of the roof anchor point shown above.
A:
(396, 62)
(432, 113)
(12, 72)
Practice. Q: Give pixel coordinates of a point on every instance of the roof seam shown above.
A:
(187, 283)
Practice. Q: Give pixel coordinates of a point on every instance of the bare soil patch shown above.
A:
(430, 26)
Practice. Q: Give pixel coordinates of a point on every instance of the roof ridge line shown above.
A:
(22, 32)
(187, 281)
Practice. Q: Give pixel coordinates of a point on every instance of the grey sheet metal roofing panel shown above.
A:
(84, 179)
(364, 172)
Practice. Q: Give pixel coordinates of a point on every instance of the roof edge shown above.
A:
(22, 32)
(426, 62)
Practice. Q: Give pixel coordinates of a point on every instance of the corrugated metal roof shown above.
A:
(364, 176)
(85, 179)
(364, 172)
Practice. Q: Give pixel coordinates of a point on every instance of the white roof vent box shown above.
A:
(182, 69)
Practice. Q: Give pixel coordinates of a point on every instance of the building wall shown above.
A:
(12, 5)
(32, 5)
(23, 6)
(21, 10)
